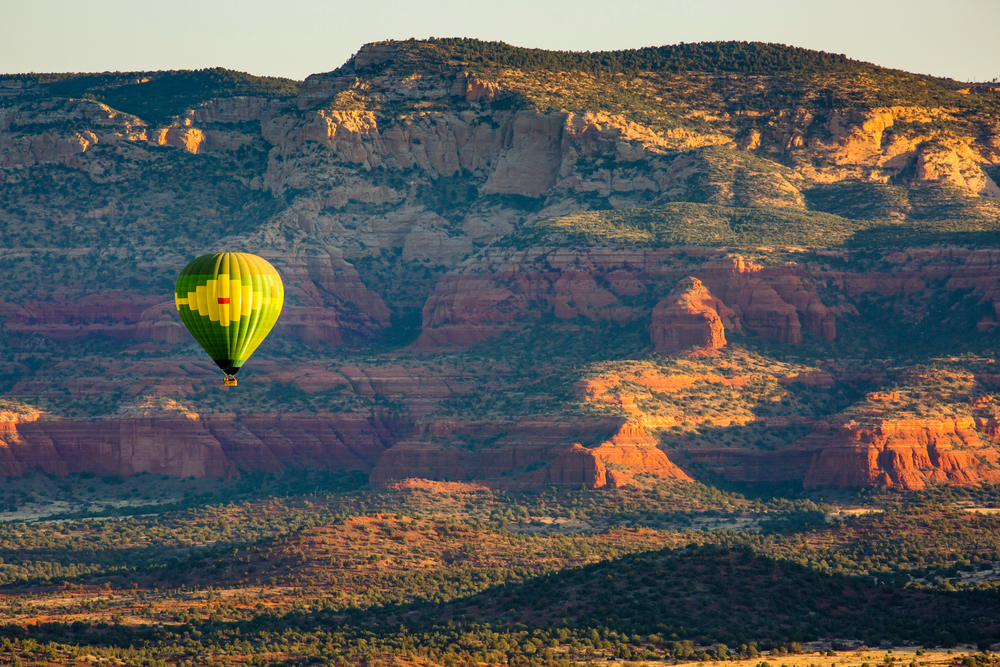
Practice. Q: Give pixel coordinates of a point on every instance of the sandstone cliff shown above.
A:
(528, 452)
(496, 289)
(910, 454)
(188, 445)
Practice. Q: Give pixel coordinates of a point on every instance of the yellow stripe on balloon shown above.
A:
(235, 299)
(212, 299)
(246, 300)
(202, 293)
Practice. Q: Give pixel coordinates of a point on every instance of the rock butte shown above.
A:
(690, 317)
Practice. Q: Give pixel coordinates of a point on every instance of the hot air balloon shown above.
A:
(229, 301)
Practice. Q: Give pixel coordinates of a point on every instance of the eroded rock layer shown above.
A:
(499, 289)
(528, 452)
(911, 454)
(192, 446)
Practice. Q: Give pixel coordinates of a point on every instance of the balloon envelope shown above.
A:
(229, 301)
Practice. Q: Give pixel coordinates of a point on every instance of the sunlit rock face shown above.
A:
(404, 199)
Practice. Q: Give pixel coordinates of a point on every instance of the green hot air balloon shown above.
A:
(229, 301)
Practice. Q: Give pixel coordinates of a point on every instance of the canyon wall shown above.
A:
(853, 449)
(189, 445)
(529, 452)
(911, 454)
(502, 288)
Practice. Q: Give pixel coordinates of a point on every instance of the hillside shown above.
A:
(439, 573)
(736, 263)
(157, 97)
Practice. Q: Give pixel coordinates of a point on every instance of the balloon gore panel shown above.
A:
(229, 301)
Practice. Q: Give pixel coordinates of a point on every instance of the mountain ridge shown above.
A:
(436, 206)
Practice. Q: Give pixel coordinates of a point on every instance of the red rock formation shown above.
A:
(690, 317)
(486, 296)
(113, 313)
(843, 452)
(484, 450)
(529, 452)
(489, 294)
(334, 302)
(182, 445)
(630, 452)
(762, 310)
(916, 269)
(633, 460)
(907, 453)
(321, 278)
(161, 324)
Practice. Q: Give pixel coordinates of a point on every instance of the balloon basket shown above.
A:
(229, 381)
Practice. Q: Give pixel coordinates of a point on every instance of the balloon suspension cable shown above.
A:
(229, 380)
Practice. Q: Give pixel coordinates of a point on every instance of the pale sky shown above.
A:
(295, 38)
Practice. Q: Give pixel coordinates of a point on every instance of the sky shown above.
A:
(295, 38)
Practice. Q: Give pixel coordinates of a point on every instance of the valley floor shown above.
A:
(283, 570)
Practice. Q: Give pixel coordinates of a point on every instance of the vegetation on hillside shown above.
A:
(746, 58)
(159, 96)
(686, 223)
(803, 77)
(466, 575)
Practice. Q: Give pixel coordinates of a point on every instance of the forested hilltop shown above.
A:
(746, 59)
(156, 96)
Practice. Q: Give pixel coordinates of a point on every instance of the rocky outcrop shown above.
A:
(762, 310)
(320, 277)
(690, 317)
(186, 444)
(842, 452)
(492, 291)
(528, 452)
(954, 163)
(61, 131)
(161, 324)
(910, 454)
(881, 144)
(485, 450)
(609, 465)
(524, 153)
